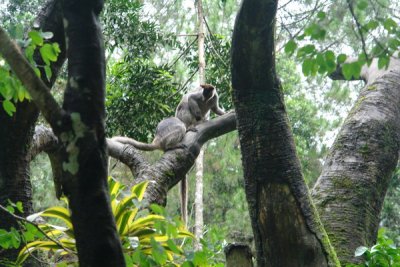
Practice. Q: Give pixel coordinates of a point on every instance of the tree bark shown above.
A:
(84, 179)
(198, 194)
(350, 191)
(16, 132)
(286, 227)
(238, 255)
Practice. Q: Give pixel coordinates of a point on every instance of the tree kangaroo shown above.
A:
(195, 105)
(192, 111)
(169, 133)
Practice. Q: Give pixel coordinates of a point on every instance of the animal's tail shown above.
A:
(184, 200)
(137, 144)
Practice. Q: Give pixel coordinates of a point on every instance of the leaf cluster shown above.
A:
(11, 89)
(384, 254)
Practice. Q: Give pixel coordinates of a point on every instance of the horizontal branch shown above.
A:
(44, 140)
(128, 155)
(37, 89)
(168, 170)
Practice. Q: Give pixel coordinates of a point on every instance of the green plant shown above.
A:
(147, 239)
(383, 254)
(11, 89)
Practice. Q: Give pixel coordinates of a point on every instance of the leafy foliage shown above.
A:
(136, 97)
(11, 89)
(383, 254)
(377, 30)
(147, 238)
(390, 216)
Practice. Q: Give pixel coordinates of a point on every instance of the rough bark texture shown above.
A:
(238, 255)
(84, 179)
(351, 189)
(16, 132)
(286, 227)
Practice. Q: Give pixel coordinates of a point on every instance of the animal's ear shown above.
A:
(207, 86)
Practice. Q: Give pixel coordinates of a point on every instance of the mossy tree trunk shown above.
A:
(286, 229)
(351, 189)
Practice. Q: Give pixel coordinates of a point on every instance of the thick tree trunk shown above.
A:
(84, 179)
(16, 132)
(351, 189)
(287, 231)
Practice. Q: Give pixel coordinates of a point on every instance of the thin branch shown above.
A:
(359, 29)
(43, 140)
(212, 45)
(19, 218)
(184, 52)
(37, 89)
(184, 85)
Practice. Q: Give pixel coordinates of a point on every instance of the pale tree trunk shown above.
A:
(198, 201)
(286, 227)
(350, 191)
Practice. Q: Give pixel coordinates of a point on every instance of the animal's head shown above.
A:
(208, 90)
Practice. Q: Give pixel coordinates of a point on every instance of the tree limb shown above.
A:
(169, 169)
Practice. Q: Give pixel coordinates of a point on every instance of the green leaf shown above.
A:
(36, 38)
(56, 48)
(37, 71)
(139, 189)
(290, 47)
(356, 68)
(347, 71)
(329, 55)
(383, 62)
(29, 53)
(54, 212)
(315, 31)
(307, 49)
(321, 15)
(372, 25)
(390, 25)
(5, 239)
(362, 4)
(158, 252)
(48, 72)
(15, 238)
(188, 264)
(307, 66)
(341, 58)
(9, 107)
(360, 251)
(200, 258)
(48, 53)
(157, 209)
(171, 244)
(394, 43)
(19, 206)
